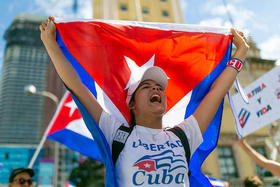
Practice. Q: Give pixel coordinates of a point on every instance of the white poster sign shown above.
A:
(264, 103)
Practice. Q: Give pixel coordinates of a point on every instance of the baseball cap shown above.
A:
(15, 172)
(154, 73)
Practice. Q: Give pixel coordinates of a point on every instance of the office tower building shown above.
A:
(140, 10)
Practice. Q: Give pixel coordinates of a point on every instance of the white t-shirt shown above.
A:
(152, 157)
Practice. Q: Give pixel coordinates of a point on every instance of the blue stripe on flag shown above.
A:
(102, 145)
(211, 135)
(77, 145)
(101, 142)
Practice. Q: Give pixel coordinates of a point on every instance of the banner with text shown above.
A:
(264, 103)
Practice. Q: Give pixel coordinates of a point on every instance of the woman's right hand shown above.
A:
(240, 41)
(48, 31)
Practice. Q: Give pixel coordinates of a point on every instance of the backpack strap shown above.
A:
(119, 140)
(184, 140)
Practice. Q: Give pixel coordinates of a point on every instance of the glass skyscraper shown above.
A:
(23, 118)
(25, 62)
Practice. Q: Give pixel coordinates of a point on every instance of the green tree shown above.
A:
(89, 173)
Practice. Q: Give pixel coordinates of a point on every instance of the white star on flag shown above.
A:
(136, 71)
(147, 165)
(72, 107)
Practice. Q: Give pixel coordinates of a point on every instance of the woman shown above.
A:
(151, 155)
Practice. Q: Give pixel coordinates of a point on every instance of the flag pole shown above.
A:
(39, 147)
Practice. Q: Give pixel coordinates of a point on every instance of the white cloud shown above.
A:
(212, 22)
(261, 26)
(240, 16)
(218, 10)
(208, 5)
(215, 22)
(64, 9)
(270, 49)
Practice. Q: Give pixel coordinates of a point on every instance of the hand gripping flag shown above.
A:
(107, 55)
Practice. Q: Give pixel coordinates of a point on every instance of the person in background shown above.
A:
(270, 165)
(21, 177)
(253, 181)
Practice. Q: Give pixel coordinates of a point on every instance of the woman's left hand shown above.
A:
(239, 40)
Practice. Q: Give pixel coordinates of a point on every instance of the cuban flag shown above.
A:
(68, 128)
(108, 54)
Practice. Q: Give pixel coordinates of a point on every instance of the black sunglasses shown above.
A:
(23, 181)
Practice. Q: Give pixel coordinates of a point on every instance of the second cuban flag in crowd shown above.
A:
(108, 55)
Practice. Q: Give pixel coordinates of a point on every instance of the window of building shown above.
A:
(6, 156)
(164, 13)
(261, 171)
(227, 162)
(145, 10)
(123, 7)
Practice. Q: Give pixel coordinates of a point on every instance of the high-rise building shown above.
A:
(140, 10)
(25, 63)
(21, 116)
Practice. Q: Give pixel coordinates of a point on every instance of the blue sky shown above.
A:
(257, 18)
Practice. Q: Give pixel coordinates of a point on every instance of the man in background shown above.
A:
(21, 177)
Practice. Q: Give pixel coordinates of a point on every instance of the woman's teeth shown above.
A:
(155, 98)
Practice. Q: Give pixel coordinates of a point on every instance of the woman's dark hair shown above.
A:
(252, 181)
(132, 121)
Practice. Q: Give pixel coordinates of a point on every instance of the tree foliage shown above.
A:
(89, 173)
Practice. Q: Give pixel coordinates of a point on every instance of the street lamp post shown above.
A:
(31, 90)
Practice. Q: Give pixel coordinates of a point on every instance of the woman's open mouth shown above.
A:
(155, 98)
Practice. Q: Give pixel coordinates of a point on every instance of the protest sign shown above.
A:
(264, 103)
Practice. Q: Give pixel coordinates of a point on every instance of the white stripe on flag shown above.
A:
(108, 105)
(177, 113)
(156, 25)
(79, 127)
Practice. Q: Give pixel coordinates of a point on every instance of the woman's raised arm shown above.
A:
(207, 109)
(66, 71)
